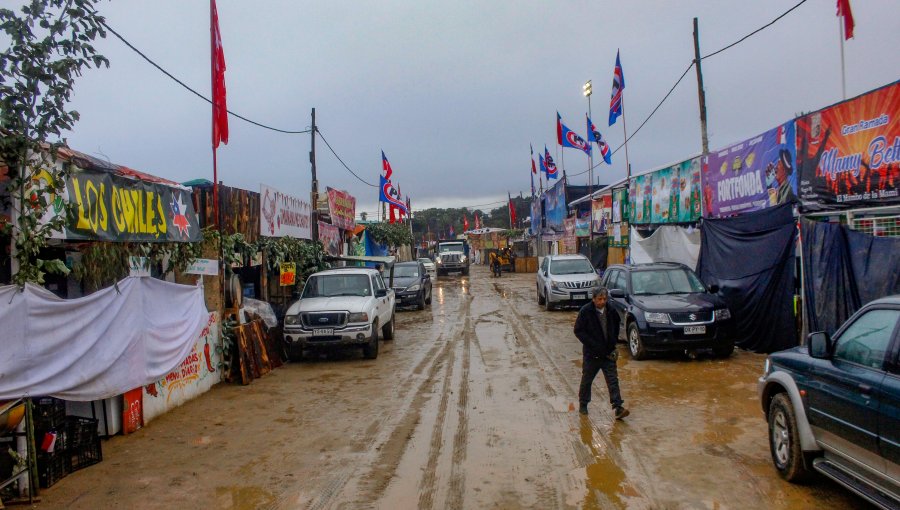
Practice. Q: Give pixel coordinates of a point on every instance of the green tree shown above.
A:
(49, 46)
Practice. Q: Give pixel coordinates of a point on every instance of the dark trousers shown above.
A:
(589, 370)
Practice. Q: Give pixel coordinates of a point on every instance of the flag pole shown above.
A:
(843, 72)
(625, 132)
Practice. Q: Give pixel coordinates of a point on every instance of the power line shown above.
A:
(201, 96)
(342, 161)
(742, 39)
(760, 29)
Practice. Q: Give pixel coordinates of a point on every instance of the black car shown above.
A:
(665, 307)
(412, 284)
(833, 405)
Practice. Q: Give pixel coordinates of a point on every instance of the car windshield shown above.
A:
(570, 266)
(666, 281)
(450, 247)
(402, 272)
(332, 285)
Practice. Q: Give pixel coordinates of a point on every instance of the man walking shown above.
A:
(597, 327)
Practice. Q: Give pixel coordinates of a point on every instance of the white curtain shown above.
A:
(669, 243)
(99, 345)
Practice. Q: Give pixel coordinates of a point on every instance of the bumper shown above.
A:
(451, 267)
(665, 337)
(407, 298)
(573, 297)
(298, 338)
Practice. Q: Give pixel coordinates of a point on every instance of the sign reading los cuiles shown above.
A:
(283, 215)
(342, 207)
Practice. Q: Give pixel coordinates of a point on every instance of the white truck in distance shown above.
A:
(452, 256)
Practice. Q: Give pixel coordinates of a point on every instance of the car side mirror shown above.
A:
(713, 289)
(379, 293)
(819, 344)
(617, 293)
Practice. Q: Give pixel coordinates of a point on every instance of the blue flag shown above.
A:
(618, 85)
(595, 136)
(569, 138)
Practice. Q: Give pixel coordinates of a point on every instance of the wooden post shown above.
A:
(33, 483)
(700, 92)
(314, 194)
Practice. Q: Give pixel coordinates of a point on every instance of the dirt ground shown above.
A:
(473, 405)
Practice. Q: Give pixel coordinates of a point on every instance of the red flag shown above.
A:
(843, 10)
(512, 212)
(219, 109)
(559, 140)
(533, 169)
(386, 166)
(465, 222)
(477, 223)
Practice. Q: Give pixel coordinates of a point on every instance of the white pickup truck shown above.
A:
(340, 308)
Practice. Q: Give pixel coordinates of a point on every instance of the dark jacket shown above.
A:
(597, 342)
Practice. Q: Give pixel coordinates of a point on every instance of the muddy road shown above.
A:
(473, 405)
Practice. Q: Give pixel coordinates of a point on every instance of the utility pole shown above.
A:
(700, 92)
(314, 193)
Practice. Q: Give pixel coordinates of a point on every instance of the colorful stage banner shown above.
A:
(751, 175)
(282, 215)
(848, 155)
(601, 213)
(583, 224)
(342, 208)
(667, 195)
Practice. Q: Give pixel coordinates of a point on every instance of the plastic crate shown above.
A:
(49, 413)
(83, 442)
(52, 467)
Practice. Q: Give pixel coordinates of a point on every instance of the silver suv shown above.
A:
(565, 280)
(341, 308)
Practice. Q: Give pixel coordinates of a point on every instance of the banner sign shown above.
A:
(601, 214)
(568, 240)
(668, 195)
(555, 207)
(342, 208)
(209, 267)
(618, 235)
(535, 217)
(111, 207)
(331, 239)
(751, 175)
(583, 225)
(283, 215)
(620, 205)
(848, 155)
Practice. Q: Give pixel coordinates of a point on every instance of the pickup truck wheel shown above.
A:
(724, 350)
(370, 351)
(540, 297)
(635, 344)
(465, 272)
(547, 304)
(784, 440)
(388, 330)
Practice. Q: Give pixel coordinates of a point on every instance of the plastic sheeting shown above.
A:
(669, 243)
(843, 270)
(97, 346)
(751, 258)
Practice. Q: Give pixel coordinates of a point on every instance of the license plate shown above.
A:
(323, 332)
(694, 330)
(579, 296)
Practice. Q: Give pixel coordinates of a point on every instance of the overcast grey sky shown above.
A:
(454, 92)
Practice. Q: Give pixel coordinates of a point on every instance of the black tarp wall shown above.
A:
(751, 258)
(843, 270)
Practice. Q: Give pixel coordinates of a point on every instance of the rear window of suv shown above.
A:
(665, 281)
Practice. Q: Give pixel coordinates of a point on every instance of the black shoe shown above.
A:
(582, 408)
(621, 412)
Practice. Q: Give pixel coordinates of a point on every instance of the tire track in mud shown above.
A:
(535, 347)
(461, 438)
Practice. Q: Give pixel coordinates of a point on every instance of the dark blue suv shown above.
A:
(833, 405)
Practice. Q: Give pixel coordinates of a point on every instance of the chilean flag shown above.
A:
(386, 166)
(595, 136)
(618, 85)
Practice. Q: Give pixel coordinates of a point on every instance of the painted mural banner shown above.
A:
(601, 214)
(667, 195)
(331, 238)
(848, 155)
(535, 217)
(283, 215)
(583, 224)
(620, 205)
(111, 207)
(199, 371)
(751, 175)
(342, 208)
(569, 240)
(555, 207)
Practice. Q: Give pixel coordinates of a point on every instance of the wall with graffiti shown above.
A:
(195, 375)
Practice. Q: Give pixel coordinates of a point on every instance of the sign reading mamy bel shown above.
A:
(848, 155)
(342, 207)
(283, 215)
